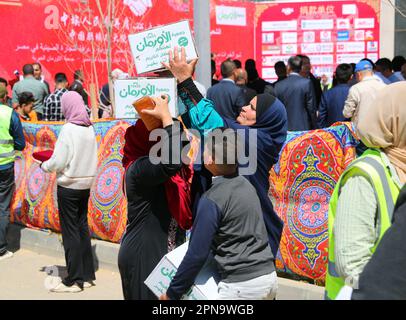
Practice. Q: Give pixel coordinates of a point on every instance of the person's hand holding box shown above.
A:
(178, 65)
(161, 110)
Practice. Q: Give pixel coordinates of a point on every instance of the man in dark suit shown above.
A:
(333, 100)
(228, 98)
(306, 72)
(297, 94)
(281, 72)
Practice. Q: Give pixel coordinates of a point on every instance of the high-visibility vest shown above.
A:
(371, 166)
(7, 154)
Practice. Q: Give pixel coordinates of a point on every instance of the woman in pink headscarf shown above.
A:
(74, 160)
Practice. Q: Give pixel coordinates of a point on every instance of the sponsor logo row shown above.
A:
(354, 46)
(318, 24)
(320, 59)
(323, 36)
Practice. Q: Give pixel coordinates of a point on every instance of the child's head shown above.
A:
(221, 152)
(26, 102)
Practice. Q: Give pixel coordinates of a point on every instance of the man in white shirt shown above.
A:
(361, 93)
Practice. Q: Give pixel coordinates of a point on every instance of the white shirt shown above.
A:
(74, 158)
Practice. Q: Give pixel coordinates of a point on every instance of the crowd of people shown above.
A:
(230, 215)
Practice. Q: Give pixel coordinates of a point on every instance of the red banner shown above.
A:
(65, 35)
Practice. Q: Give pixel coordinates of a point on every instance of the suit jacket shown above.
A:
(332, 105)
(228, 98)
(317, 88)
(297, 94)
(258, 85)
(249, 94)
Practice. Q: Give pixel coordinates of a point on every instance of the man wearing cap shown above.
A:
(363, 92)
(11, 139)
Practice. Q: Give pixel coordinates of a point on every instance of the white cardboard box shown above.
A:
(150, 48)
(129, 90)
(205, 287)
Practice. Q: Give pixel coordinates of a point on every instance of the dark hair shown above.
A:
(28, 69)
(77, 74)
(370, 61)
(227, 68)
(25, 98)
(343, 73)
(213, 67)
(2, 80)
(295, 63)
(222, 146)
(353, 65)
(250, 64)
(302, 56)
(385, 64)
(60, 77)
(398, 62)
(251, 69)
(280, 65)
(238, 64)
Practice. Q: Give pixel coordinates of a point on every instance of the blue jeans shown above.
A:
(7, 186)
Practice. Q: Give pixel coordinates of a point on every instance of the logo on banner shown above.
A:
(279, 25)
(372, 56)
(268, 37)
(318, 24)
(349, 9)
(359, 35)
(372, 46)
(369, 35)
(271, 50)
(289, 49)
(349, 57)
(231, 16)
(343, 24)
(309, 36)
(269, 73)
(343, 35)
(325, 36)
(287, 11)
(351, 47)
(317, 47)
(289, 37)
(366, 23)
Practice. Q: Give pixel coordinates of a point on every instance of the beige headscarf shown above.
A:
(383, 125)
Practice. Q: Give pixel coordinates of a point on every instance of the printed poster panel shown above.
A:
(130, 90)
(231, 16)
(150, 48)
(329, 32)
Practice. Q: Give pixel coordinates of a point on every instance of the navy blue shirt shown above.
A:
(228, 224)
(332, 105)
(16, 131)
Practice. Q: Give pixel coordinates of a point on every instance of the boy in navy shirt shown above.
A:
(229, 224)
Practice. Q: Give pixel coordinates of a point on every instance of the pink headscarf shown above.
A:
(74, 109)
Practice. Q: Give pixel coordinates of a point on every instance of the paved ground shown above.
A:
(28, 274)
(25, 277)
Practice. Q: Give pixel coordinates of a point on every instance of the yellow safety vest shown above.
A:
(371, 166)
(7, 154)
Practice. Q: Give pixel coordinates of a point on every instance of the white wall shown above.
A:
(387, 33)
